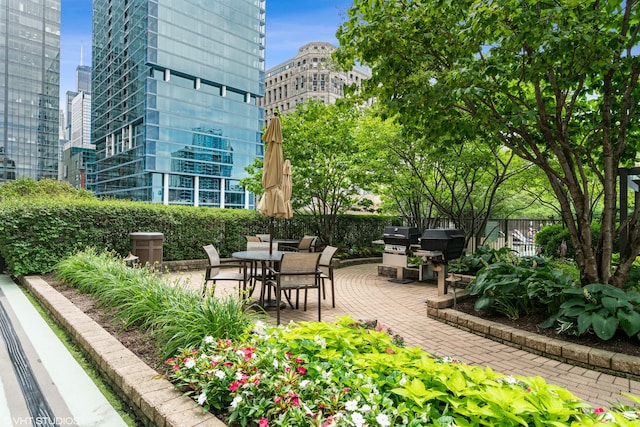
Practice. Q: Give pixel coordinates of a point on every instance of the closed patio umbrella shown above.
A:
(272, 203)
(286, 188)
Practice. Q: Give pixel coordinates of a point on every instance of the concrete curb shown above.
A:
(617, 364)
(153, 398)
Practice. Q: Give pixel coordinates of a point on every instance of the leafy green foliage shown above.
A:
(550, 238)
(600, 309)
(555, 83)
(522, 287)
(27, 188)
(344, 374)
(177, 316)
(482, 257)
(36, 233)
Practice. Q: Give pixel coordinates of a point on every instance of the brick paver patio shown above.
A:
(364, 295)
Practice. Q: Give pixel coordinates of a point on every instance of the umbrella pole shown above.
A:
(270, 235)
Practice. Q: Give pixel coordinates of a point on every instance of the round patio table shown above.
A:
(264, 257)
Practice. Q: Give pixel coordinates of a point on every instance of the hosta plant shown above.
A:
(599, 308)
(320, 374)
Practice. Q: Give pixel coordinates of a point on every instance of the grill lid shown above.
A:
(396, 235)
(448, 241)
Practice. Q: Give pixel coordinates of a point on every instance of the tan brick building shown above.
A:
(309, 75)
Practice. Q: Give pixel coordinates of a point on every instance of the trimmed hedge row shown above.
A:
(36, 234)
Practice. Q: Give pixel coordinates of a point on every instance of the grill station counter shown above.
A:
(397, 246)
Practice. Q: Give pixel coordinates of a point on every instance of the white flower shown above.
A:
(510, 380)
(304, 383)
(239, 375)
(240, 353)
(208, 339)
(351, 405)
(235, 401)
(320, 341)
(630, 415)
(259, 327)
(403, 380)
(220, 374)
(358, 419)
(608, 417)
(365, 408)
(275, 363)
(202, 398)
(190, 362)
(383, 420)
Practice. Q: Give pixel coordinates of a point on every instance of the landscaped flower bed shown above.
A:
(320, 374)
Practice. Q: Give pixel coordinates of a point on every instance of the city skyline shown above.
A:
(288, 28)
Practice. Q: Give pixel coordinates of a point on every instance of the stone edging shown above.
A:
(617, 364)
(153, 398)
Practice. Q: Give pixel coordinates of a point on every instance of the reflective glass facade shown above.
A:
(29, 88)
(174, 112)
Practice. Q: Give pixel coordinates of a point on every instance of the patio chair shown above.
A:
(326, 272)
(252, 238)
(224, 270)
(264, 237)
(297, 271)
(306, 244)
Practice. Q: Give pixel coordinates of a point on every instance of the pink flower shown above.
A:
(234, 386)
(299, 360)
(598, 411)
(277, 399)
(288, 354)
(389, 350)
(302, 370)
(263, 422)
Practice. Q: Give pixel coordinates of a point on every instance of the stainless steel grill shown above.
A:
(398, 240)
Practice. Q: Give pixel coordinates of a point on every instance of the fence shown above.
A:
(517, 234)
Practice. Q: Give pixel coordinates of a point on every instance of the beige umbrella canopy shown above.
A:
(286, 188)
(272, 203)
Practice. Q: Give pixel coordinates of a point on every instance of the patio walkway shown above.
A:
(364, 295)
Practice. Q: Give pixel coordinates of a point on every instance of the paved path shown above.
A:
(41, 384)
(364, 295)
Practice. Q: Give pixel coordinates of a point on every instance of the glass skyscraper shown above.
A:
(29, 88)
(174, 87)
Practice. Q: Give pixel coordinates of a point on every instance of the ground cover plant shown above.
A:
(176, 316)
(346, 373)
(343, 374)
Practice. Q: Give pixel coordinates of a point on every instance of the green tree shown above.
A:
(556, 82)
(330, 148)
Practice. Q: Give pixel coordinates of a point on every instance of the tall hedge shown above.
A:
(37, 233)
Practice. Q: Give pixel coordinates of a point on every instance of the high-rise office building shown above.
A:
(29, 98)
(174, 113)
(83, 78)
(309, 75)
(78, 153)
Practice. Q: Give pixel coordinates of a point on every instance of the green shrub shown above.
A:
(550, 237)
(35, 233)
(522, 287)
(27, 188)
(177, 316)
(600, 309)
(482, 257)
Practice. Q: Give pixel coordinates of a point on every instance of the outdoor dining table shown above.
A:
(264, 257)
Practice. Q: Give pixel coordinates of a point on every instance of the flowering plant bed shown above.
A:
(343, 374)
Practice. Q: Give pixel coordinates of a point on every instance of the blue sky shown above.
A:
(290, 24)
